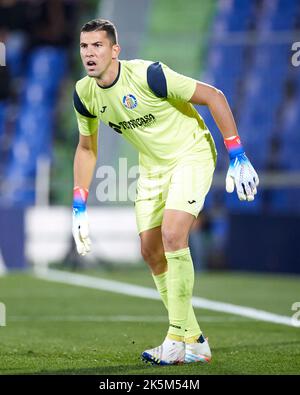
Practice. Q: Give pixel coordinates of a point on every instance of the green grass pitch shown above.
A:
(63, 329)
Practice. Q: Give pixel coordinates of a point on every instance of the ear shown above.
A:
(116, 49)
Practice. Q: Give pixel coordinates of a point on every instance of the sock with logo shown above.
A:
(180, 282)
(192, 330)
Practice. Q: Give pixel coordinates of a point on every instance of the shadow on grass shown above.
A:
(107, 370)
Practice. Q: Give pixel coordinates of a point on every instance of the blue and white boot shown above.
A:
(171, 352)
(198, 352)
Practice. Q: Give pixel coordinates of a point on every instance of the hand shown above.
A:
(80, 232)
(80, 228)
(242, 175)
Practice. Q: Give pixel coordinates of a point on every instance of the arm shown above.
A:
(85, 161)
(166, 83)
(240, 173)
(84, 165)
(216, 101)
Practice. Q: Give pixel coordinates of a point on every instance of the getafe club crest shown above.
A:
(129, 101)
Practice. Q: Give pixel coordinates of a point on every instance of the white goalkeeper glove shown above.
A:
(241, 173)
(80, 228)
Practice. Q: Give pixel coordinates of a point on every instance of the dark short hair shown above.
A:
(102, 24)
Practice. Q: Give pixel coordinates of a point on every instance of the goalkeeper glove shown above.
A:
(80, 227)
(241, 173)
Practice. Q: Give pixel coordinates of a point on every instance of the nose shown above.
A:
(89, 51)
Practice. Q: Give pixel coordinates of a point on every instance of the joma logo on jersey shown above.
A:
(129, 101)
(146, 120)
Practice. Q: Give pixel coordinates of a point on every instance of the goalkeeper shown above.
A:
(151, 107)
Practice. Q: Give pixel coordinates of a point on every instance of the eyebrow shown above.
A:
(97, 42)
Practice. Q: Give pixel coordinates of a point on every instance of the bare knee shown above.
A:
(151, 255)
(173, 240)
(152, 250)
(155, 259)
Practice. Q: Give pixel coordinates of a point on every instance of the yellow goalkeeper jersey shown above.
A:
(147, 104)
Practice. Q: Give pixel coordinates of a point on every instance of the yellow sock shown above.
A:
(174, 337)
(192, 339)
(192, 328)
(180, 282)
(160, 281)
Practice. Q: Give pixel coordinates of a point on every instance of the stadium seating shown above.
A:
(3, 108)
(34, 128)
(3, 122)
(15, 50)
(251, 69)
(253, 77)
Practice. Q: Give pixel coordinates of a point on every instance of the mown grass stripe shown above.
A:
(150, 293)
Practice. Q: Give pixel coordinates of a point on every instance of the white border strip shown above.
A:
(115, 318)
(150, 293)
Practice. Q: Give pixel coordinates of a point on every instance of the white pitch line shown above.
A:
(150, 293)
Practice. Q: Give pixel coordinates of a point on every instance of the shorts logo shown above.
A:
(129, 101)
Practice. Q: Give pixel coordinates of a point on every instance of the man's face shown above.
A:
(97, 52)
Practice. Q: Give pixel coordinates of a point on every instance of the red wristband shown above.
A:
(234, 146)
(80, 194)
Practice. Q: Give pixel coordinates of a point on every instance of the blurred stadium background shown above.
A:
(243, 47)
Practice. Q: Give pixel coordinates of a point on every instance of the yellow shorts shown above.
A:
(181, 187)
